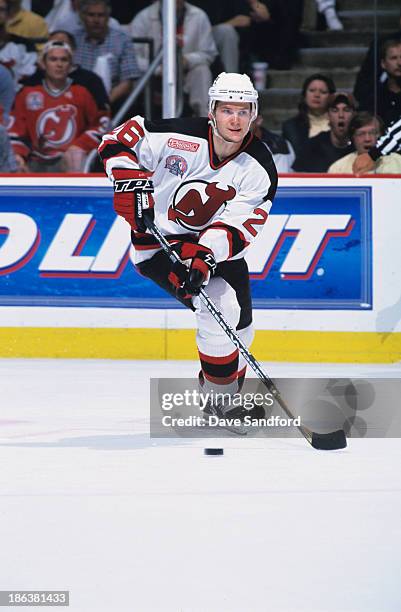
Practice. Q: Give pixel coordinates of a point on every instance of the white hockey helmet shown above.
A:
(233, 87)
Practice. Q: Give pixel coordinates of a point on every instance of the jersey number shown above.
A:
(249, 223)
(130, 134)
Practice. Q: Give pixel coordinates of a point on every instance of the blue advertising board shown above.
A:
(64, 246)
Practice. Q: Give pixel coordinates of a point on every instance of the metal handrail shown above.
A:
(138, 89)
(142, 84)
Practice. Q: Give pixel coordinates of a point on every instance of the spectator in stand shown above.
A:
(312, 117)
(327, 147)
(79, 75)
(41, 7)
(16, 53)
(281, 150)
(364, 131)
(371, 73)
(386, 101)
(274, 31)
(327, 8)
(7, 158)
(228, 18)
(124, 12)
(106, 51)
(194, 34)
(55, 124)
(7, 91)
(65, 15)
(25, 23)
(389, 143)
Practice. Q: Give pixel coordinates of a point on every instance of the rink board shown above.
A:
(68, 287)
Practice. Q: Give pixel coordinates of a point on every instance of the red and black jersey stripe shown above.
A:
(147, 241)
(110, 148)
(236, 239)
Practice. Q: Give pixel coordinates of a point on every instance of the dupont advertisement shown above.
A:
(62, 245)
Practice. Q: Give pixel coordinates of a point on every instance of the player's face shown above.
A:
(339, 118)
(392, 62)
(96, 18)
(232, 120)
(57, 64)
(366, 137)
(316, 96)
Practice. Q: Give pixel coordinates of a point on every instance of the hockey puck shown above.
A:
(213, 451)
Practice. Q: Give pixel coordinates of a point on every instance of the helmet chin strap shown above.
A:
(216, 132)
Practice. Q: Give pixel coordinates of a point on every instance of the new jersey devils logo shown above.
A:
(56, 126)
(195, 203)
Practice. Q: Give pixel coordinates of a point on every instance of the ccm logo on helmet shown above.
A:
(133, 185)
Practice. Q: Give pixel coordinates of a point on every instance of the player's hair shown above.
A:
(364, 118)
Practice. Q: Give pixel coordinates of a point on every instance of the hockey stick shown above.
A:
(328, 441)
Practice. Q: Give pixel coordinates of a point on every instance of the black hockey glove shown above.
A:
(195, 269)
(133, 197)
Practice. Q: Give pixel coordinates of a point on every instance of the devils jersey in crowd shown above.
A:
(79, 76)
(45, 123)
(223, 203)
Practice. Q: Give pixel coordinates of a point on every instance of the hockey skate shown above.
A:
(232, 418)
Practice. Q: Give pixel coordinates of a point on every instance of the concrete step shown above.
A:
(273, 119)
(344, 38)
(352, 5)
(331, 57)
(280, 98)
(280, 79)
(366, 20)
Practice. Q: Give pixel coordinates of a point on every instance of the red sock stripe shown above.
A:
(218, 360)
(242, 372)
(220, 370)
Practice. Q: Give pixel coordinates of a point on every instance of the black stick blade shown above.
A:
(329, 441)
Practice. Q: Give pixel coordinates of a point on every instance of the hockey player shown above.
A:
(212, 184)
(55, 123)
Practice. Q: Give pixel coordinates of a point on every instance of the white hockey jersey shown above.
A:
(223, 203)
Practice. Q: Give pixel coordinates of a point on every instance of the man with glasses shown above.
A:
(364, 131)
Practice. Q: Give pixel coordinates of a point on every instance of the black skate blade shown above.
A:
(329, 441)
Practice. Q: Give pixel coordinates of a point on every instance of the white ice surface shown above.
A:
(89, 503)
